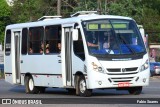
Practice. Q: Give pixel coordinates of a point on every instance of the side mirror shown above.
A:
(75, 34)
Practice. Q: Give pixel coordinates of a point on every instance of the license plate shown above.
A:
(123, 84)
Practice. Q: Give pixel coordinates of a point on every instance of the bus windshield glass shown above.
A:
(113, 36)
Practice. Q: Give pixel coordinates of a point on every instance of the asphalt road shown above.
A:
(61, 97)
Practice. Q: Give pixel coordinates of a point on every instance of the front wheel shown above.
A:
(81, 87)
(135, 90)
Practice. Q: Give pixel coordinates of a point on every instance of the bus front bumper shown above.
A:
(117, 81)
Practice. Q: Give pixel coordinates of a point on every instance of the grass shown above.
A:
(1, 75)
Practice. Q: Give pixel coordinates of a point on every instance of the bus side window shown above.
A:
(24, 41)
(52, 38)
(35, 40)
(78, 46)
(8, 42)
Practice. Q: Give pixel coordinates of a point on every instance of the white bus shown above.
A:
(84, 52)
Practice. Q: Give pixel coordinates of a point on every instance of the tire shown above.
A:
(81, 88)
(29, 85)
(135, 90)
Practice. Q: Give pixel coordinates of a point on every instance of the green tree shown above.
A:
(151, 16)
(145, 12)
(31, 10)
(4, 18)
(86, 5)
(129, 8)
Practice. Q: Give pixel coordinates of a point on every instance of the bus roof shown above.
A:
(65, 20)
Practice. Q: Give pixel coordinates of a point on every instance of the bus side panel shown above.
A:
(45, 69)
(8, 69)
(48, 80)
(78, 66)
(9, 64)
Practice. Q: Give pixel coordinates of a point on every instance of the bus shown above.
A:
(81, 53)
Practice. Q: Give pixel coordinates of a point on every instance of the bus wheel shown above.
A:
(29, 85)
(135, 90)
(81, 88)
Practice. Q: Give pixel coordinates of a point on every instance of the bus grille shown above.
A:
(121, 79)
(122, 71)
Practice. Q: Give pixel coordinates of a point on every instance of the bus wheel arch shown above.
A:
(81, 86)
(30, 87)
(27, 74)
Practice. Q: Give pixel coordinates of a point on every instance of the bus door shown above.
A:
(67, 56)
(17, 56)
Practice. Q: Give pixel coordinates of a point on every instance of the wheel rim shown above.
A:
(82, 86)
(31, 84)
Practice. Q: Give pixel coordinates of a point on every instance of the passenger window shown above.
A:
(8, 43)
(52, 39)
(36, 45)
(24, 41)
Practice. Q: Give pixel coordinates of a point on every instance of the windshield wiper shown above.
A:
(124, 41)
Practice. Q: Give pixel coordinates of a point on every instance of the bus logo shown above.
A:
(123, 70)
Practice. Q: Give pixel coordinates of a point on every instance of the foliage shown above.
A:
(130, 8)
(151, 16)
(23, 10)
(145, 12)
(86, 5)
(31, 10)
(4, 18)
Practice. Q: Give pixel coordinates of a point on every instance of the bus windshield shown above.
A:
(113, 36)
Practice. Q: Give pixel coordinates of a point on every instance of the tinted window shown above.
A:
(24, 41)
(36, 35)
(8, 43)
(52, 39)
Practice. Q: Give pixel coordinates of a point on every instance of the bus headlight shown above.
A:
(97, 68)
(145, 66)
